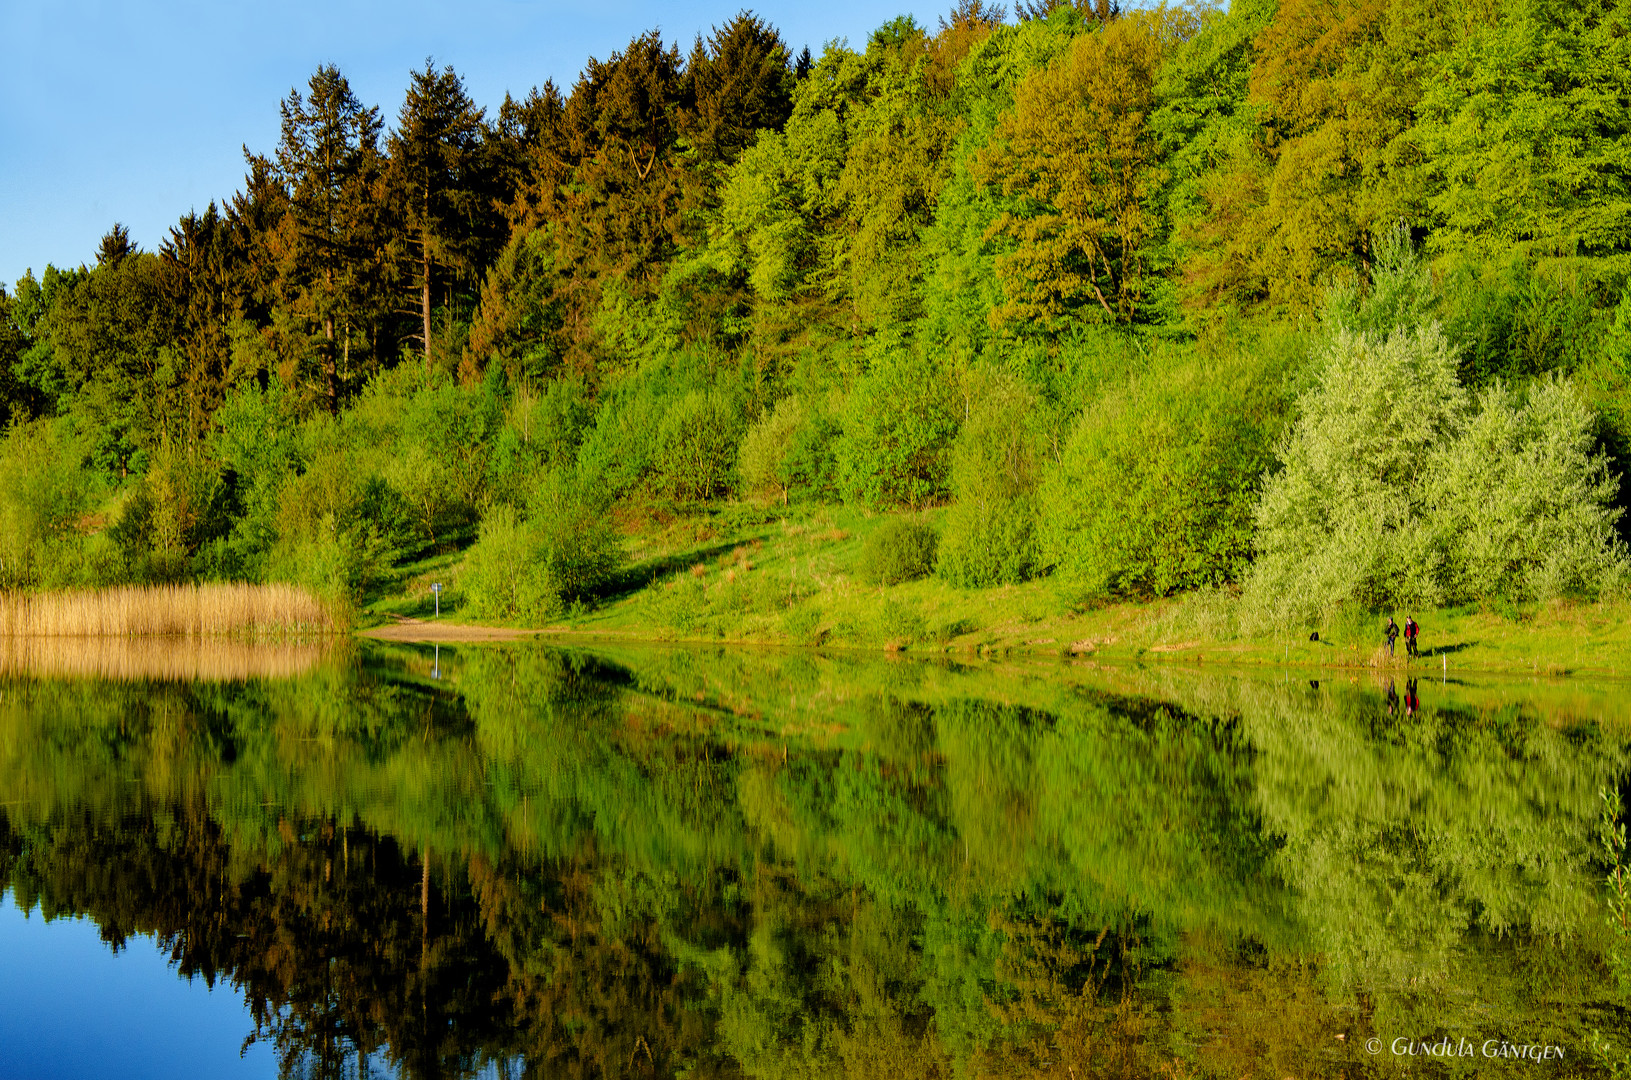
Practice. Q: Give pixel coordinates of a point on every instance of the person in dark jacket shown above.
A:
(1392, 632)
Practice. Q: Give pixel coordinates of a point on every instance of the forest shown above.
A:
(1319, 303)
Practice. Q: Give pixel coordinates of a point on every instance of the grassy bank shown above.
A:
(750, 576)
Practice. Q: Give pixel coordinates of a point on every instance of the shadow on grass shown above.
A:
(637, 576)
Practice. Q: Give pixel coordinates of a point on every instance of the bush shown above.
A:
(990, 535)
(542, 432)
(532, 568)
(46, 492)
(1154, 492)
(899, 425)
(1343, 518)
(766, 449)
(1395, 488)
(1521, 502)
(695, 453)
(671, 428)
(898, 551)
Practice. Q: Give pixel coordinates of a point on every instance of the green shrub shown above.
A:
(542, 432)
(1343, 517)
(897, 430)
(670, 428)
(898, 551)
(1396, 488)
(1154, 492)
(47, 490)
(766, 449)
(695, 453)
(990, 536)
(532, 568)
(1521, 502)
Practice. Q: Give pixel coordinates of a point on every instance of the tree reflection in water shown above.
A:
(557, 863)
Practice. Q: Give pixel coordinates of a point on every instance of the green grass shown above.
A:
(792, 577)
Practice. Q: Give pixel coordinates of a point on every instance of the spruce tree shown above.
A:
(327, 162)
(437, 176)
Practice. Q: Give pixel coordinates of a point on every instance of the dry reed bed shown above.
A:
(172, 659)
(172, 610)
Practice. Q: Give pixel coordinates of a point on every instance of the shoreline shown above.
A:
(1464, 657)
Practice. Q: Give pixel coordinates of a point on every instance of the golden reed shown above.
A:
(171, 610)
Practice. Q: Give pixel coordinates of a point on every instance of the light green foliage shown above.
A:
(430, 439)
(695, 453)
(669, 429)
(1395, 487)
(765, 458)
(1153, 493)
(1523, 124)
(1522, 502)
(898, 426)
(47, 490)
(1399, 292)
(339, 527)
(1343, 518)
(896, 552)
(542, 432)
(990, 532)
(530, 568)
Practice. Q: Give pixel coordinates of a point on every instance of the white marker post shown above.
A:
(436, 591)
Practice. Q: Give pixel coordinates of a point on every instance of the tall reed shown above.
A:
(178, 610)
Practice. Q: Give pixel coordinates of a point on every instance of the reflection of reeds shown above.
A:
(182, 610)
(168, 658)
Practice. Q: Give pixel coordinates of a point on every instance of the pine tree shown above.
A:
(437, 174)
(328, 161)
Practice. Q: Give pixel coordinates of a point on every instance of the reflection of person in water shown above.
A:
(1392, 699)
(1411, 701)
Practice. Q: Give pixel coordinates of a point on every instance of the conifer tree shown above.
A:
(436, 174)
(741, 83)
(327, 162)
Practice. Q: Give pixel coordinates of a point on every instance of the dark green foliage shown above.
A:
(898, 551)
(1513, 322)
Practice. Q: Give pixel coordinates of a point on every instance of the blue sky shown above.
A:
(139, 112)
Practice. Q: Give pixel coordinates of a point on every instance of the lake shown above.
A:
(610, 861)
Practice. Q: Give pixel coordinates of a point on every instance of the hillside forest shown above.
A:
(1321, 302)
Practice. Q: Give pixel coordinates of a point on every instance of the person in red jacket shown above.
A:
(1411, 629)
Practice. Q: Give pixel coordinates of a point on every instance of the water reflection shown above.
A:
(529, 861)
(213, 659)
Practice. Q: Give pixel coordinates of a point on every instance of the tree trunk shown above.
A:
(424, 295)
(328, 367)
(328, 345)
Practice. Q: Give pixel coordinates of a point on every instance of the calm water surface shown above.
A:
(535, 861)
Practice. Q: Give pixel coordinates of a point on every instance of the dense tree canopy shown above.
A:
(723, 271)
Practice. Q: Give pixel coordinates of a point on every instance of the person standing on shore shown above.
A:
(1392, 633)
(1411, 629)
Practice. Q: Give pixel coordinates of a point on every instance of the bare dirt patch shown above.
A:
(419, 630)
